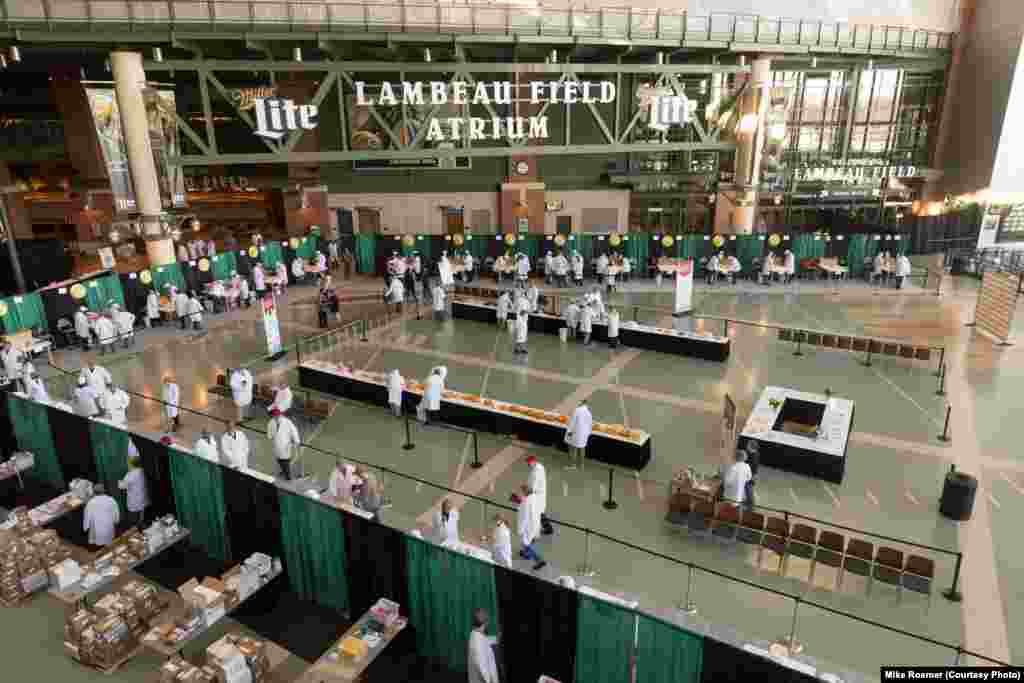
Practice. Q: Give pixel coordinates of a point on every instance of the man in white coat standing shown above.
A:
(284, 439)
(152, 309)
(439, 296)
(101, 517)
(206, 446)
(82, 327)
(97, 376)
(107, 333)
(396, 384)
(502, 542)
(181, 308)
(521, 329)
(116, 404)
(613, 328)
(577, 433)
(86, 400)
(538, 481)
(170, 399)
(446, 523)
(528, 527)
(241, 391)
(432, 394)
(283, 399)
(234, 447)
(482, 666)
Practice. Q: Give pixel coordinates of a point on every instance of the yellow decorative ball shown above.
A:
(615, 240)
(3, 309)
(204, 264)
(77, 291)
(717, 240)
(510, 239)
(458, 239)
(408, 240)
(667, 241)
(253, 252)
(294, 242)
(560, 240)
(774, 240)
(146, 277)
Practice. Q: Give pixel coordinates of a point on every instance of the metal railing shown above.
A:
(482, 19)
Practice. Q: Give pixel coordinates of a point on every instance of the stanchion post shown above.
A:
(610, 504)
(953, 594)
(687, 606)
(799, 342)
(944, 436)
(942, 361)
(725, 328)
(476, 455)
(941, 391)
(636, 312)
(585, 569)
(791, 642)
(408, 445)
(867, 361)
(959, 654)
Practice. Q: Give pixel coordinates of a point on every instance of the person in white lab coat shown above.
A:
(234, 447)
(298, 270)
(446, 523)
(561, 265)
(82, 327)
(504, 301)
(101, 517)
(522, 304)
(170, 394)
(36, 388)
(342, 481)
(206, 446)
(395, 293)
(522, 327)
(533, 297)
(468, 264)
(244, 295)
(136, 492)
(601, 267)
(528, 527)
(396, 383)
(241, 391)
(107, 333)
(902, 270)
(116, 403)
(86, 401)
(549, 267)
(153, 309)
(523, 269)
(577, 268)
(501, 546)
(711, 269)
(12, 360)
(627, 268)
(284, 439)
(613, 328)
(444, 270)
(571, 314)
(482, 666)
(181, 308)
(586, 322)
(597, 303)
(283, 399)
(433, 391)
(789, 265)
(735, 478)
(538, 481)
(195, 312)
(577, 433)
(125, 327)
(259, 279)
(439, 297)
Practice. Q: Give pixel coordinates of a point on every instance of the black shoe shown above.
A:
(548, 532)
(523, 555)
(540, 565)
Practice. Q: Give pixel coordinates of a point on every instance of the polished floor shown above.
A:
(893, 479)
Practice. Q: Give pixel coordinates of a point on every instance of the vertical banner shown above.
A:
(107, 258)
(106, 116)
(271, 326)
(163, 139)
(684, 288)
(728, 445)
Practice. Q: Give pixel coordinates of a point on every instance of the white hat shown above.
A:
(82, 308)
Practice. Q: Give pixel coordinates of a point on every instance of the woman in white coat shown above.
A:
(116, 405)
(396, 384)
(577, 268)
(446, 523)
(152, 309)
(206, 447)
(439, 297)
(234, 447)
(433, 391)
(195, 312)
(533, 297)
(395, 293)
(521, 331)
(241, 391)
(577, 433)
(284, 439)
(503, 305)
(502, 542)
(482, 665)
(613, 328)
(181, 308)
(586, 322)
(86, 402)
(170, 398)
(137, 494)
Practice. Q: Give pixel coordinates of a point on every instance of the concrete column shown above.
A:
(129, 83)
(736, 208)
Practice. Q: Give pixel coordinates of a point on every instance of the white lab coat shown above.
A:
(116, 403)
(81, 325)
(134, 486)
(432, 394)
(521, 328)
(627, 266)
(444, 269)
(549, 264)
(298, 268)
(734, 483)
(126, 323)
(283, 399)
(12, 363)
(533, 296)
(482, 666)
(503, 304)
(181, 304)
(522, 305)
(613, 324)
(98, 377)
(528, 519)
(790, 263)
(902, 266)
(502, 547)
(195, 311)
(733, 265)
(37, 390)
(234, 446)
(602, 265)
(259, 278)
(86, 401)
(467, 262)
(170, 397)
(538, 481)
(439, 297)
(396, 383)
(342, 481)
(105, 330)
(561, 265)
(586, 320)
(241, 387)
(577, 432)
(152, 306)
(523, 267)
(572, 316)
(713, 264)
(396, 291)
(284, 437)
(577, 267)
(101, 517)
(207, 449)
(447, 531)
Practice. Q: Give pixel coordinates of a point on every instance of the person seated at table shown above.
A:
(789, 266)
(902, 270)
(711, 269)
(298, 270)
(732, 268)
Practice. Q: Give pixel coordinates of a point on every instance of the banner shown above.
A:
(684, 288)
(163, 139)
(271, 326)
(107, 118)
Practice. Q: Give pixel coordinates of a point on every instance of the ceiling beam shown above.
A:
(442, 67)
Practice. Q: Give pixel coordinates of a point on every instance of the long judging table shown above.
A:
(608, 443)
(705, 346)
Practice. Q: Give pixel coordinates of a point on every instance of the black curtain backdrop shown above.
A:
(724, 663)
(376, 565)
(135, 294)
(42, 262)
(203, 278)
(158, 476)
(73, 445)
(191, 276)
(244, 264)
(253, 515)
(7, 441)
(59, 305)
(539, 618)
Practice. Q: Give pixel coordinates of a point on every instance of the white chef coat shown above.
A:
(283, 399)
(234, 446)
(37, 390)
(395, 385)
(417, 264)
(101, 517)
(572, 316)
(81, 325)
(432, 394)
(12, 363)
(586, 320)
(734, 483)
(243, 288)
(207, 449)
(341, 482)
(521, 328)
(902, 266)
(116, 404)
(561, 265)
(105, 330)
(259, 278)
(170, 396)
(577, 266)
(538, 481)
(533, 296)
(613, 324)
(396, 291)
(298, 268)
(502, 546)
(86, 402)
(503, 303)
(467, 261)
(241, 387)
(134, 485)
(444, 269)
(182, 253)
(195, 311)
(523, 266)
(284, 437)
(439, 297)
(447, 531)
(528, 519)
(482, 666)
(790, 263)
(627, 265)
(549, 263)
(181, 304)
(602, 265)
(152, 305)
(713, 263)
(577, 432)
(125, 323)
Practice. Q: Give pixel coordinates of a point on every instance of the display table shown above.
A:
(469, 549)
(800, 432)
(24, 342)
(612, 444)
(334, 667)
(705, 346)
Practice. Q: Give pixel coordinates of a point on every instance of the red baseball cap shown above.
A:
(530, 459)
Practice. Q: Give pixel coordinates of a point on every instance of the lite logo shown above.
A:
(669, 110)
(276, 116)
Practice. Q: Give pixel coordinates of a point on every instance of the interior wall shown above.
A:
(419, 212)
(574, 202)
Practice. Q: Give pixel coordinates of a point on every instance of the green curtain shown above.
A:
(313, 539)
(667, 654)
(102, 291)
(366, 253)
(224, 265)
(583, 244)
(748, 247)
(199, 498)
(169, 274)
(307, 248)
(31, 423)
(695, 247)
(271, 254)
(478, 248)
(110, 448)
(24, 315)
(530, 245)
(604, 641)
(805, 246)
(636, 249)
(444, 589)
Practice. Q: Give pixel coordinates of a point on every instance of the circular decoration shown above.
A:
(667, 241)
(294, 242)
(615, 240)
(3, 309)
(560, 240)
(408, 240)
(447, 238)
(77, 291)
(204, 264)
(717, 240)
(253, 252)
(146, 277)
(510, 239)
(458, 239)
(774, 239)
(522, 167)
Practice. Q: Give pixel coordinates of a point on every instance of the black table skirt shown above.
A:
(801, 460)
(705, 349)
(599, 447)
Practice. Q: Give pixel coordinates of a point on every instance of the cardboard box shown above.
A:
(213, 584)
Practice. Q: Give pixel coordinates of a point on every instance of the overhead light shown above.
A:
(704, 87)
(427, 57)
(778, 199)
(743, 60)
(15, 53)
(106, 65)
(711, 199)
(814, 62)
(158, 54)
(297, 54)
(114, 236)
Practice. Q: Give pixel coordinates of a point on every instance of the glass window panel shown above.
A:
(877, 137)
(884, 101)
(809, 139)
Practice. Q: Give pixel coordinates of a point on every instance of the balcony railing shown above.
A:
(712, 30)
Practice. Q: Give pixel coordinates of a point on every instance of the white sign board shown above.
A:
(684, 289)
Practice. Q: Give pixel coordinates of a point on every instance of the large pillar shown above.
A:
(129, 83)
(736, 207)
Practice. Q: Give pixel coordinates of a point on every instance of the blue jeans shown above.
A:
(530, 553)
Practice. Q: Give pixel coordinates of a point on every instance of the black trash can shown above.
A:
(958, 494)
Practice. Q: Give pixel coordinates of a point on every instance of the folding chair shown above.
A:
(751, 530)
(859, 555)
(699, 519)
(775, 538)
(801, 544)
(727, 522)
(919, 574)
(889, 566)
(829, 553)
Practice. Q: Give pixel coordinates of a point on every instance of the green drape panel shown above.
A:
(224, 265)
(31, 423)
(530, 245)
(695, 247)
(271, 254)
(365, 253)
(444, 589)
(747, 248)
(99, 293)
(307, 248)
(478, 248)
(585, 245)
(199, 499)
(667, 654)
(604, 641)
(167, 275)
(27, 314)
(636, 249)
(313, 539)
(805, 246)
(110, 448)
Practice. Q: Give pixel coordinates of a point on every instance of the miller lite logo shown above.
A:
(665, 108)
(276, 116)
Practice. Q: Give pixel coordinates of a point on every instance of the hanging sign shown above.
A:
(664, 107)
(684, 289)
(276, 116)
